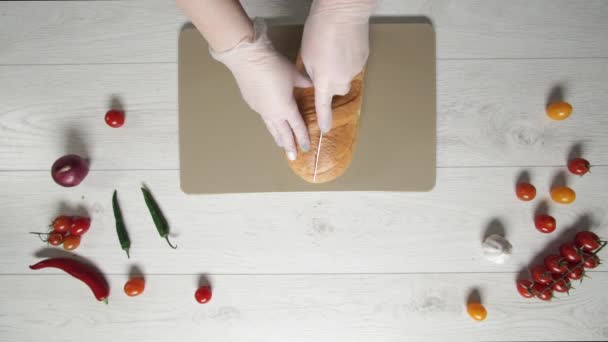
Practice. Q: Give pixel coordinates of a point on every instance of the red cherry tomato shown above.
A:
(541, 275)
(556, 264)
(55, 239)
(590, 260)
(115, 118)
(62, 224)
(525, 191)
(560, 285)
(576, 272)
(524, 287)
(545, 223)
(203, 294)
(579, 166)
(71, 242)
(134, 287)
(80, 225)
(587, 241)
(542, 291)
(570, 252)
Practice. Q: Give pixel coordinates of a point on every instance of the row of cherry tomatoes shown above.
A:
(562, 194)
(558, 270)
(135, 286)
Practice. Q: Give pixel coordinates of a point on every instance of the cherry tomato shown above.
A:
(134, 287)
(541, 275)
(62, 224)
(542, 291)
(579, 166)
(115, 118)
(576, 272)
(587, 240)
(590, 260)
(525, 191)
(569, 251)
(203, 294)
(563, 195)
(477, 311)
(560, 285)
(71, 242)
(545, 223)
(55, 239)
(524, 287)
(559, 110)
(556, 264)
(80, 225)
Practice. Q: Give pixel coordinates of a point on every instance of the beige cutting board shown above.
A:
(225, 148)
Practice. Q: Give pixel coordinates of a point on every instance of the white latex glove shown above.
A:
(266, 80)
(335, 47)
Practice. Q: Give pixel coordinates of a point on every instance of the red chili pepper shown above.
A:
(79, 270)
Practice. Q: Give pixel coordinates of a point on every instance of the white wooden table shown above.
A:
(305, 266)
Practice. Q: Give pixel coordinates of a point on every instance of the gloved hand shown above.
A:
(266, 80)
(335, 47)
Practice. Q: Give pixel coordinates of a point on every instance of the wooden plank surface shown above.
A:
(440, 231)
(484, 108)
(76, 32)
(299, 308)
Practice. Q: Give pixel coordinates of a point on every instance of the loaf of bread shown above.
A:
(338, 145)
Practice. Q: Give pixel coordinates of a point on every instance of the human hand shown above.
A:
(335, 47)
(266, 80)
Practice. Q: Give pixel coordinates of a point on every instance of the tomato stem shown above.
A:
(40, 237)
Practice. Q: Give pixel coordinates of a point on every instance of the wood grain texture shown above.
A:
(146, 31)
(286, 233)
(299, 308)
(485, 109)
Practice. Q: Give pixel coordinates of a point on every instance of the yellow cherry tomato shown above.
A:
(477, 311)
(559, 110)
(563, 195)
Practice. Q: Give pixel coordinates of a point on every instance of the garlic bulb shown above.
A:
(496, 249)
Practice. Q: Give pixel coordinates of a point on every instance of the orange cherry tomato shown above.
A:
(559, 110)
(134, 287)
(62, 224)
(477, 311)
(525, 191)
(563, 195)
(71, 242)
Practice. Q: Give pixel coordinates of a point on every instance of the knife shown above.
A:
(314, 176)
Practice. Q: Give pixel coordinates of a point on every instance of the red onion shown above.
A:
(69, 170)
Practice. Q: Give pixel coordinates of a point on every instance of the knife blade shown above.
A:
(314, 176)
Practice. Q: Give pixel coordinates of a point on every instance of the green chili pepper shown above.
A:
(121, 230)
(157, 216)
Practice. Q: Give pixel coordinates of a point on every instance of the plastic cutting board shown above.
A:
(225, 148)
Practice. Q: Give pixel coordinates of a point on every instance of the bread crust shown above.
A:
(338, 145)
